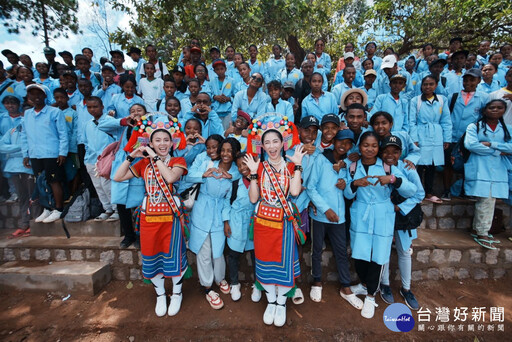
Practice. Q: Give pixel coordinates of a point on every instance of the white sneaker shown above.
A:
(102, 217)
(270, 312)
(235, 292)
(359, 290)
(44, 215)
(13, 198)
(256, 294)
(161, 305)
(54, 216)
(280, 316)
(369, 307)
(224, 286)
(175, 305)
(113, 217)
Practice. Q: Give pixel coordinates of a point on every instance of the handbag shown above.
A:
(106, 158)
(189, 196)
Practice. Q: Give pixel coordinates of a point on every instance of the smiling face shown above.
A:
(169, 89)
(349, 74)
(241, 123)
(319, 47)
(244, 71)
(253, 52)
(470, 83)
(256, 80)
(353, 98)
(192, 128)
(212, 148)
(37, 97)
(117, 60)
(428, 87)
(161, 142)
(242, 167)
(329, 130)
(273, 144)
(391, 155)
(201, 73)
(136, 112)
(129, 88)
(230, 53)
(276, 50)
(226, 153)
(173, 107)
(382, 126)
(355, 119)
(308, 135)
(108, 76)
(290, 61)
(341, 147)
(369, 147)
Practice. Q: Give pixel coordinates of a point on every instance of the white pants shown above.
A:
(102, 186)
(208, 268)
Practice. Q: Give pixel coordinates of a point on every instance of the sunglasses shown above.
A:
(257, 78)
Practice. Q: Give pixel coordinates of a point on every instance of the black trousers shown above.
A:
(84, 175)
(125, 218)
(427, 173)
(234, 265)
(369, 274)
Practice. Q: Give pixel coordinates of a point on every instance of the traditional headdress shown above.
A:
(148, 125)
(275, 122)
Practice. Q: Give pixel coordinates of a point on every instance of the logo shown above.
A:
(398, 318)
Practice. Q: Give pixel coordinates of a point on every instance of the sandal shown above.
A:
(484, 243)
(353, 300)
(316, 293)
(298, 297)
(489, 238)
(18, 233)
(27, 232)
(434, 199)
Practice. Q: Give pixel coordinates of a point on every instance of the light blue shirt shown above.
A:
(465, 114)
(107, 95)
(293, 75)
(213, 125)
(399, 110)
(383, 86)
(227, 87)
(283, 107)
(272, 67)
(326, 104)
(258, 67)
(95, 140)
(121, 104)
(256, 107)
(11, 149)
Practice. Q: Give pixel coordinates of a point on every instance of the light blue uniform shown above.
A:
(326, 105)
(293, 75)
(431, 126)
(258, 66)
(256, 107)
(377, 61)
(96, 81)
(338, 91)
(227, 87)
(308, 162)
(357, 82)
(272, 67)
(324, 60)
(190, 153)
(139, 69)
(325, 84)
(9, 89)
(240, 213)
(213, 125)
(372, 95)
(95, 140)
(121, 104)
(75, 97)
(383, 86)
(421, 66)
(210, 210)
(51, 83)
(486, 171)
(489, 88)
(372, 214)
(321, 189)
(283, 107)
(398, 109)
(453, 81)
(107, 95)
(11, 149)
(44, 134)
(71, 121)
(462, 114)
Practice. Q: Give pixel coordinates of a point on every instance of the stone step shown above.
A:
(86, 228)
(62, 277)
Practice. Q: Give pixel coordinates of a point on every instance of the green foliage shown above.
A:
(60, 16)
(408, 24)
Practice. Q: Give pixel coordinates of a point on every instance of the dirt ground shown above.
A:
(122, 312)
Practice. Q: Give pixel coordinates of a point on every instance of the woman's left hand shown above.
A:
(383, 180)
(446, 145)
(297, 156)
(150, 152)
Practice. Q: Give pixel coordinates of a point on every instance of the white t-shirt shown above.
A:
(498, 94)
(158, 73)
(151, 92)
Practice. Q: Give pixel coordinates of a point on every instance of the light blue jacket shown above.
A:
(358, 81)
(383, 86)
(121, 105)
(488, 88)
(486, 171)
(213, 125)
(95, 140)
(321, 188)
(398, 110)
(372, 95)
(190, 153)
(258, 67)
(94, 80)
(227, 88)
(44, 134)
(324, 60)
(308, 162)
(71, 123)
(326, 105)
(256, 107)
(283, 107)
(10, 87)
(107, 95)
(11, 149)
(75, 98)
(211, 209)
(430, 126)
(293, 76)
(240, 213)
(338, 91)
(372, 213)
(325, 85)
(453, 81)
(462, 114)
(272, 67)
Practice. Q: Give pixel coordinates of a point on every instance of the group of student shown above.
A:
(251, 153)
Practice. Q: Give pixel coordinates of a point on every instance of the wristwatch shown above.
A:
(156, 158)
(130, 158)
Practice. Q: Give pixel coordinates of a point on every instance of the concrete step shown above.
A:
(62, 277)
(86, 228)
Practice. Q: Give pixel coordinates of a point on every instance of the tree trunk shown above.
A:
(45, 24)
(296, 49)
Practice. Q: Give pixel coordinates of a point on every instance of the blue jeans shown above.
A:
(404, 265)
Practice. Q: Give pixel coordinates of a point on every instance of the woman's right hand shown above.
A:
(252, 164)
(137, 153)
(209, 172)
(362, 182)
(227, 229)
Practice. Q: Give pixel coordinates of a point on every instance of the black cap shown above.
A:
(214, 48)
(65, 53)
(392, 140)
(438, 61)
(331, 118)
(134, 50)
(460, 52)
(49, 51)
(79, 56)
(473, 72)
(179, 68)
(116, 52)
(309, 121)
(456, 39)
(8, 52)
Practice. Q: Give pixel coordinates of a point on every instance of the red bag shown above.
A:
(105, 160)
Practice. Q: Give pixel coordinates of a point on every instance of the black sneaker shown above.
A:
(447, 196)
(386, 294)
(410, 299)
(136, 243)
(127, 242)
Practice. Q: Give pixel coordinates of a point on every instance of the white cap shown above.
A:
(348, 55)
(388, 62)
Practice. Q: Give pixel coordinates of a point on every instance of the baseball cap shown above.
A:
(179, 68)
(397, 76)
(289, 84)
(8, 52)
(195, 49)
(309, 121)
(214, 48)
(345, 134)
(49, 51)
(37, 86)
(473, 72)
(370, 72)
(391, 140)
(460, 52)
(79, 56)
(348, 55)
(134, 49)
(218, 61)
(108, 66)
(65, 53)
(330, 118)
(116, 52)
(244, 115)
(437, 61)
(388, 62)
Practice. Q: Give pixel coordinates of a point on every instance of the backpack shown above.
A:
(106, 158)
(234, 190)
(43, 192)
(418, 103)
(77, 209)
(443, 81)
(189, 196)
(460, 154)
(352, 168)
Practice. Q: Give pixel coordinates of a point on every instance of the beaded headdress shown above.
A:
(148, 125)
(271, 121)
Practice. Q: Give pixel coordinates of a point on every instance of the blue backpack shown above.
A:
(43, 192)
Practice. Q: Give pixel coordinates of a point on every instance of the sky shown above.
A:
(26, 43)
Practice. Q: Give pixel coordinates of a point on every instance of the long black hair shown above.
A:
(235, 147)
(483, 121)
